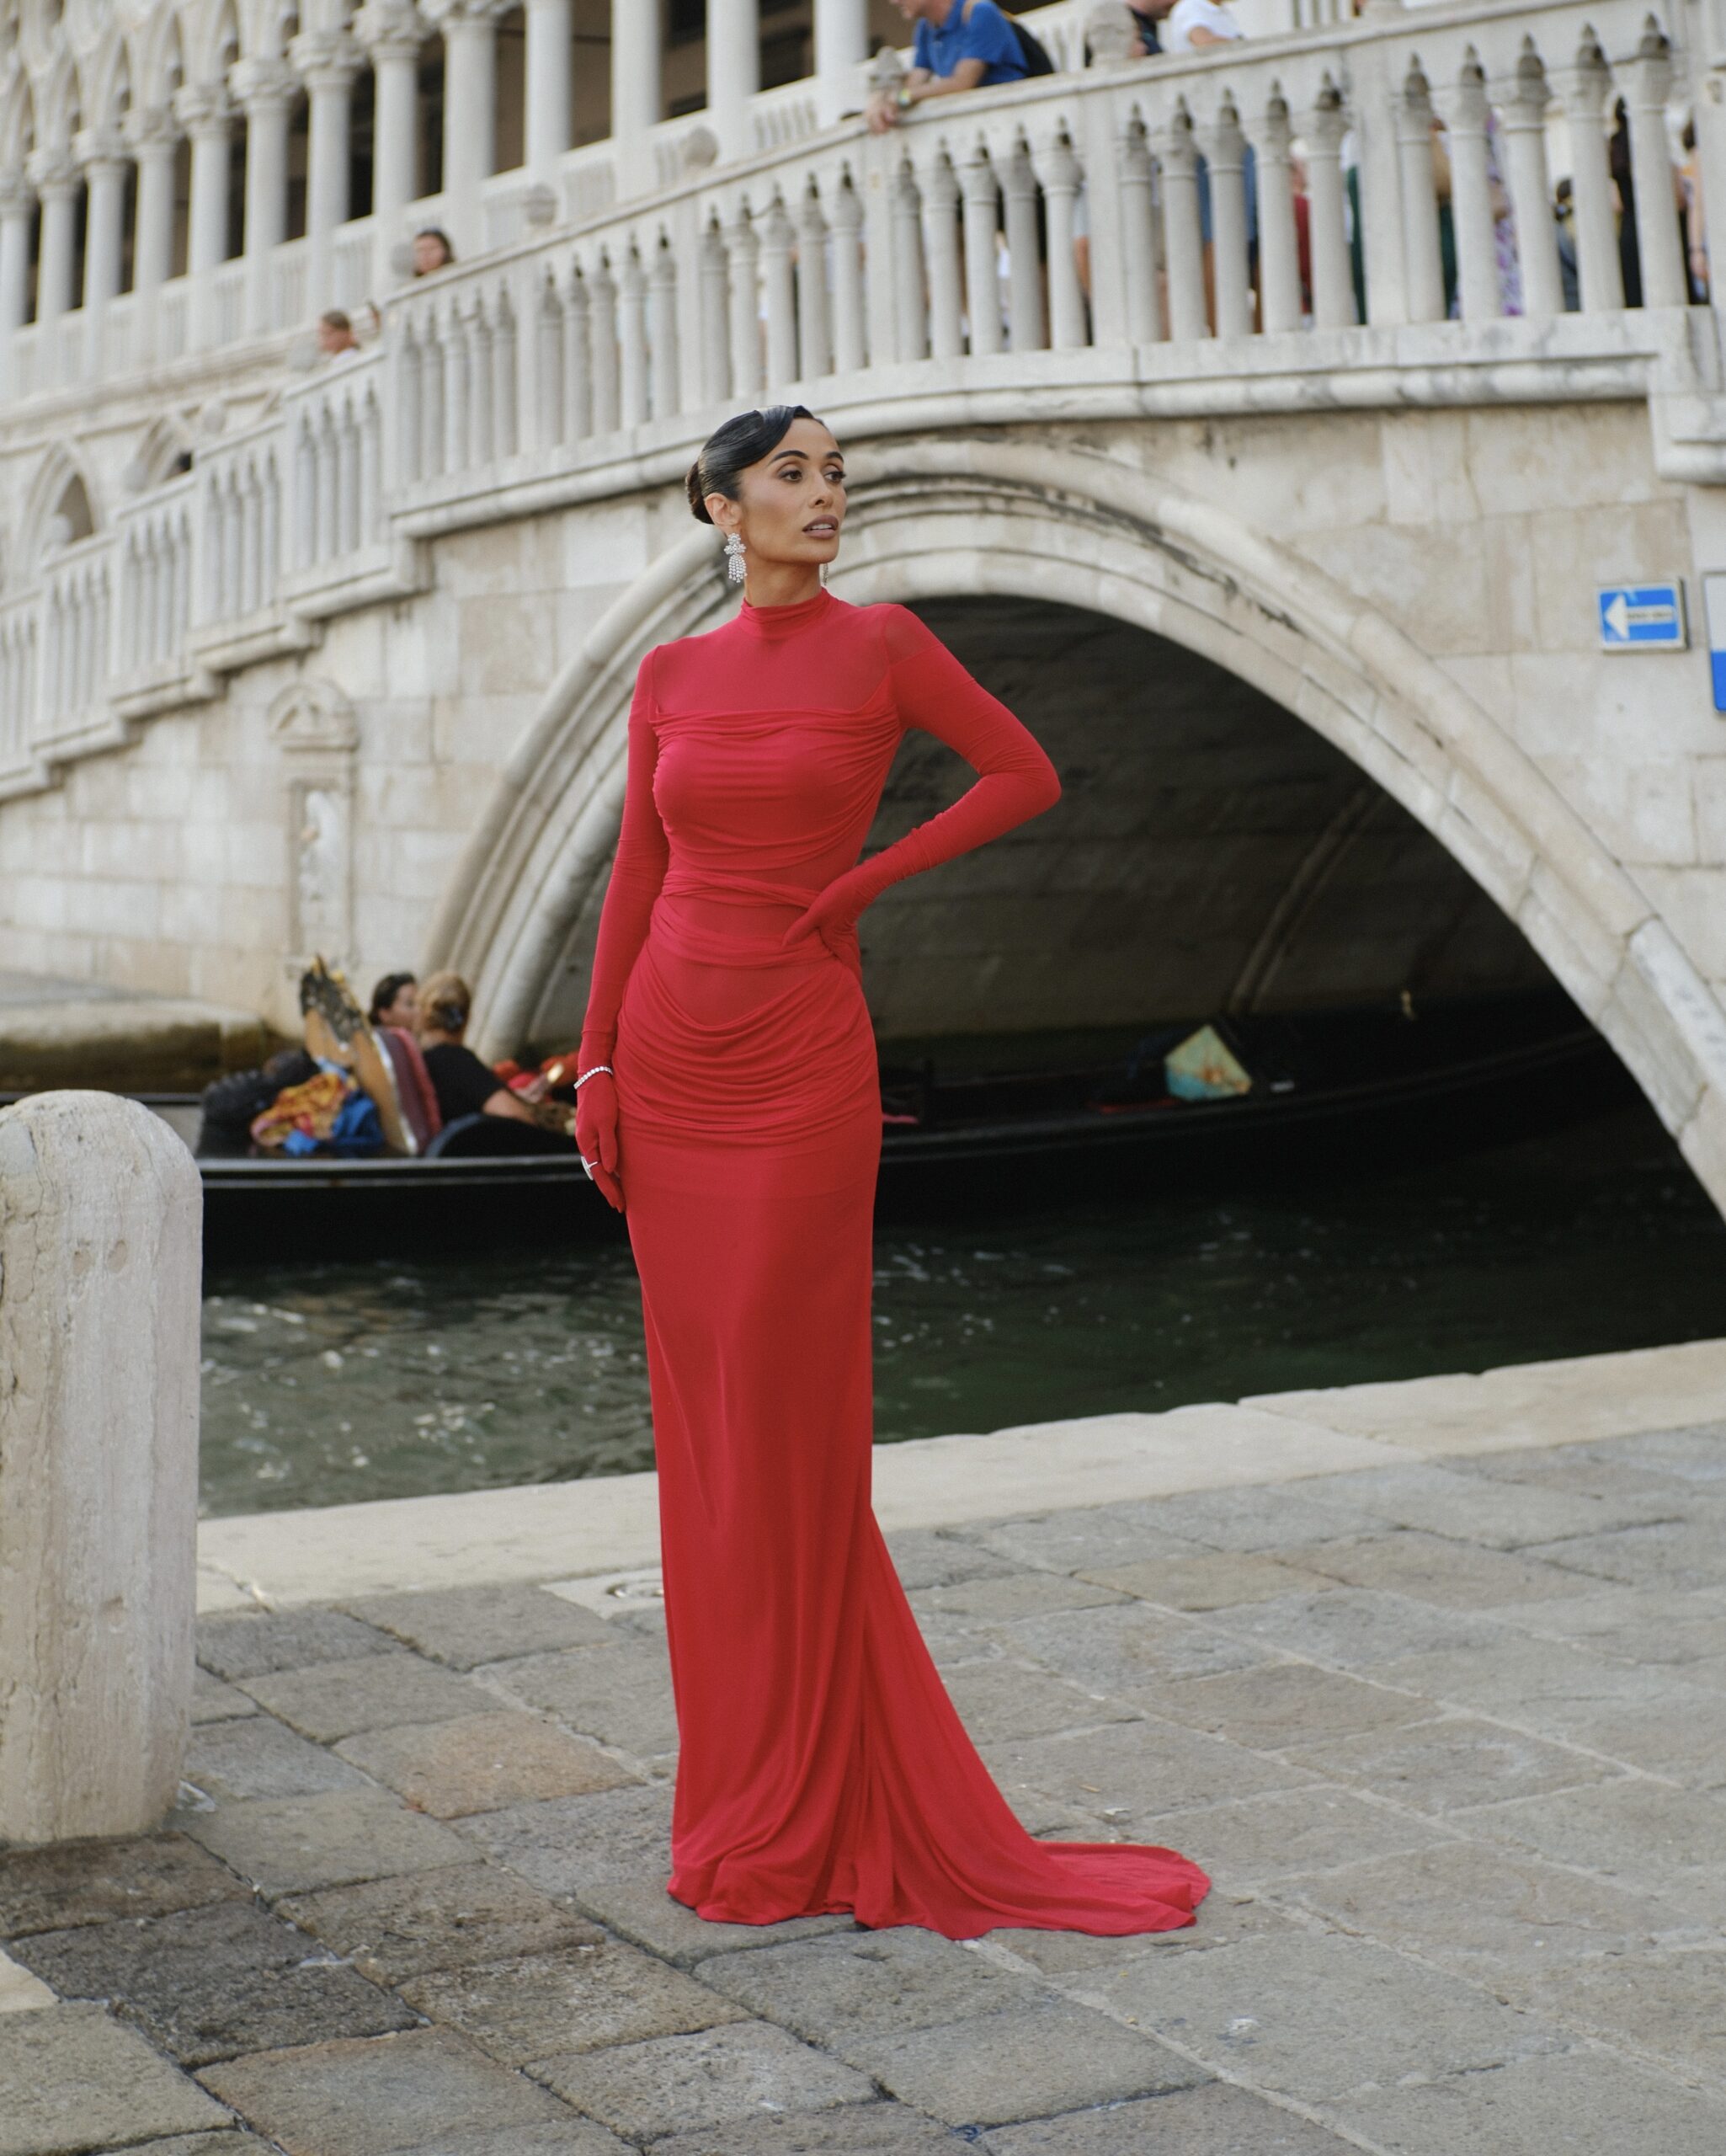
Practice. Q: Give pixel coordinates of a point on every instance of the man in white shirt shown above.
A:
(1193, 24)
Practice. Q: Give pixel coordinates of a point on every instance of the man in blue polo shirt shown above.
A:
(960, 45)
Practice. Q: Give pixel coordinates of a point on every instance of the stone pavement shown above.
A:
(1449, 1736)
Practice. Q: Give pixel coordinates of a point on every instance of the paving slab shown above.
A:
(901, 1979)
(1026, 2063)
(260, 1643)
(1271, 1516)
(392, 1930)
(1130, 1652)
(1693, 1450)
(570, 1843)
(874, 2129)
(20, 1992)
(214, 1701)
(1010, 1594)
(1641, 1625)
(1598, 1469)
(1312, 2016)
(1444, 1765)
(374, 2096)
(1454, 1575)
(998, 1699)
(483, 1763)
(1215, 2120)
(1641, 1833)
(1474, 1501)
(578, 1998)
(1587, 2102)
(1138, 1770)
(640, 1909)
(1259, 1839)
(1218, 1579)
(1491, 1913)
(210, 1983)
(465, 1626)
(72, 2078)
(195, 2144)
(619, 1693)
(1066, 1958)
(710, 2077)
(1070, 1541)
(576, 2137)
(293, 1844)
(338, 1700)
(1679, 1736)
(259, 1758)
(1535, 1681)
(70, 1883)
(1283, 1702)
(925, 1557)
(1666, 2005)
(1361, 1628)
(1679, 1553)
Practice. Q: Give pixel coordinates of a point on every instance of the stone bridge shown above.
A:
(1289, 548)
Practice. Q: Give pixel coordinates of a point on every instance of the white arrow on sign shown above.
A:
(1618, 617)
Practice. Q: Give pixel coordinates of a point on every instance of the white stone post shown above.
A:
(153, 140)
(1471, 200)
(982, 277)
(1372, 100)
(1333, 275)
(549, 123)
(1183, 247)
(16, 199)
(102, 156)
(1423, 264)
(470, 31)
(1600, 269)
(1523, 102)
(100, 1212)
(56, 181)
(1279, 254)
(328, 62)
(1649, 80)
(266, 89)
(636, 63)
(841, 47)
(1231, 272)
(392, 33)
(207, 116)
(733, 72)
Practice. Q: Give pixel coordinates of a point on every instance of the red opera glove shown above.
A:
(833, 915)
(596, 1133)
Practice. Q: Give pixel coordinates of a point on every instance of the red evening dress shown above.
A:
(822, 1766)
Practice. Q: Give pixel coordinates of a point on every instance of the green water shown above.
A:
(324, 1385)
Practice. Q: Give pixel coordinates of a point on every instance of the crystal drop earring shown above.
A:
(734, 565)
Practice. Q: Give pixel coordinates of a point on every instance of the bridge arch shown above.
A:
(938, 519)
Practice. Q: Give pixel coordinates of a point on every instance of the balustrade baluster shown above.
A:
(632, 339)
(213, 540)
(1027, 331)
(550, 432)
(327, 538)
(1138, 236)
(1422, 262)
(602, 343)
(456, 363)
(482, 396)
(742, 254)
(1231, 271)
(371, 477)
(850, 303)
(1470, 197)
(983, 268)
(779, 297)
(1058, 170)
(940, 191)
(1327, 214)
(716, 315)
(1183, 244)
(1523, 106)
(814, 344)
(577, 359)
(434, 397)
(664, 358)
(251, 520)
(268, 552)
(1600, 270)
(408, 398)
(347, 520)
(1279, 246)
(910, 305)
(150, 581)
(506, 364)
(1663, 281)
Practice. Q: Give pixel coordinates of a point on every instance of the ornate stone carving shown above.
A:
(1111, 35)
(314, 726)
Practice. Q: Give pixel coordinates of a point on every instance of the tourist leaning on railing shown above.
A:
(959, 45)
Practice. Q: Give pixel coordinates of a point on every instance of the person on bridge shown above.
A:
(959, 45)
(728, 1096)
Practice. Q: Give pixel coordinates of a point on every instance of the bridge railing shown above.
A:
(1270, 227)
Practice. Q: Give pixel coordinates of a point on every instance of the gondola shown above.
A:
(1340, 1092)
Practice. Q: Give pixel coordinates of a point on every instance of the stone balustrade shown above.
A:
(970, 263)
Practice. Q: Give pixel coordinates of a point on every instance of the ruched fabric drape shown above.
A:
(821, 1765)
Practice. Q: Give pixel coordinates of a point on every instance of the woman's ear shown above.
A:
(724, 511)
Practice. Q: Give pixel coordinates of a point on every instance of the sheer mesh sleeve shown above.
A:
(1015, 780)
(636, 874)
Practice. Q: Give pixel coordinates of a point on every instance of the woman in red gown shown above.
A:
(734, 1104)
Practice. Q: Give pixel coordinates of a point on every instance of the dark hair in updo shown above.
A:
(729, 452)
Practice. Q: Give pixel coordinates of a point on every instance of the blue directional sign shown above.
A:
(1643, 617)
(1714, 612)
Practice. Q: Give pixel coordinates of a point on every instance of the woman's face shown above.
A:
(791, 505)
(405, 1009)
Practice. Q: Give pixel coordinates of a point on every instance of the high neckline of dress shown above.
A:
(783, 621)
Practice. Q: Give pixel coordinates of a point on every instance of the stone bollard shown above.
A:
(100, 1229)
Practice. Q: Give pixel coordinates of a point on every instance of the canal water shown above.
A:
(325, 1383)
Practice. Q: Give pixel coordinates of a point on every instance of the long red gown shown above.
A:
(822, 1766)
